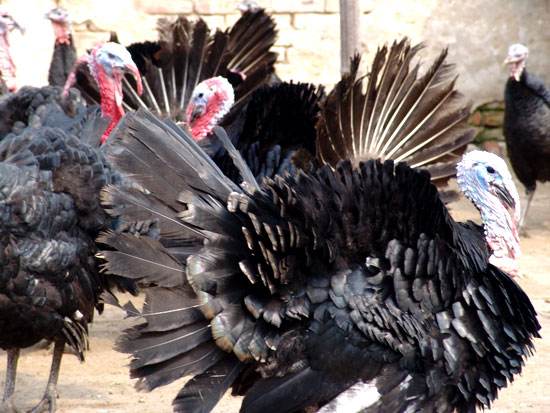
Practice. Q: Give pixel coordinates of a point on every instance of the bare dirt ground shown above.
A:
(102, 384)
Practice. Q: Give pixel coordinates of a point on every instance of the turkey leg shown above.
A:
(530, 194)
(48, 402)
(9, 387)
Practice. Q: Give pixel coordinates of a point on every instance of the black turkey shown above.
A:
(51, 174)
(64, 52)
(316, 288)
(49, 216)
(526, 124)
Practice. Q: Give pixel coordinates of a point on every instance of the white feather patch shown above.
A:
(356, 398)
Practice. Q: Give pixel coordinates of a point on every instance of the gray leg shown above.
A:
(530, 195)
(48, 402)
(7, 404)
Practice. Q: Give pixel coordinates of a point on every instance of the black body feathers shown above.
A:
(63, 60)
(49, 217)
(527, 128)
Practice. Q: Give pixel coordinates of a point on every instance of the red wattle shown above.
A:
(109, 107)
(203, 125)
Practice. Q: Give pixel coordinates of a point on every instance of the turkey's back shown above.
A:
(527, 129)
(49, 218)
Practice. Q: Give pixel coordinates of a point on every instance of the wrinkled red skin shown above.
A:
(217, 105)
(202, 126)
(108, 88)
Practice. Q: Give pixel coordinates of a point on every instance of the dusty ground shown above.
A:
(102, 384)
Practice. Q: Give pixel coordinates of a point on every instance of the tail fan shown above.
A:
(396, 113)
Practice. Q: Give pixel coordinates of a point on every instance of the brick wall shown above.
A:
(477, 32)
(308, 29)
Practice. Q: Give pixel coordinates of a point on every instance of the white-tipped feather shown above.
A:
(128, 87)
(151, 96)
(355, 399)
(395, 114)
(164, 93)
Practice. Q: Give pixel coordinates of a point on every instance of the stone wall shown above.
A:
(477, 32)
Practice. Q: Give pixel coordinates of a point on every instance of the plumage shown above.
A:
(50, 215)
(274, 132)
(394, 113)
(322, 280)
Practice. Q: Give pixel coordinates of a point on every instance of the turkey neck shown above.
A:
(62, 33)
(524, 96)
(7, 66)
(501, 233)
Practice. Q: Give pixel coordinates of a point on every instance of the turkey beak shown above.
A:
(196, 112)
(197, 108)
(508, 195)
(516, 66)
(17, 26)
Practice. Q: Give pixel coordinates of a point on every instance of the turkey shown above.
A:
(186, 54)
(350, 283)
(64, 52)
(526, 124)
(7, 66)
(51, 173)
(319, 281)
(50, 215)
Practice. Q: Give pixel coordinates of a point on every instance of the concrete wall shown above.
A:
(477, 32)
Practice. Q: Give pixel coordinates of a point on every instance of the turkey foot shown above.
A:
(7, 406)
(47, 404)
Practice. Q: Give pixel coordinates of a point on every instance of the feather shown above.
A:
(154, 264)
(203, 391)
(143, 143)
(151, 348)
(133, 206)
(169, 308)
(194, 362)
(246, 173)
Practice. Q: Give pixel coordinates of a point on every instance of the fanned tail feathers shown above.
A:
(175, 338)
(396, 113)
(187, 53)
